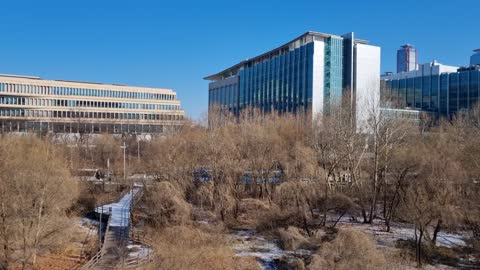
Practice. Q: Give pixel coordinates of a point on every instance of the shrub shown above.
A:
(292, 239)
(182, 247)
(247, 263)
(349, 250)
(166, 205)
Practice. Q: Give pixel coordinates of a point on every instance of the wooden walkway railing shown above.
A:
(118, 238)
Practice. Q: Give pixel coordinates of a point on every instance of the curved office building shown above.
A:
(34, 104)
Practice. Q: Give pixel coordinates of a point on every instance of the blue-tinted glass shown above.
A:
(453, 93)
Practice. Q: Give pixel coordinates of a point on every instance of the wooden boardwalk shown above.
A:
(113, 251)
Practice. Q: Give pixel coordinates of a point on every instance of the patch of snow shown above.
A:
(400, 231)
(249, 243)
(450, 240)
(87, 224)
(138, 251)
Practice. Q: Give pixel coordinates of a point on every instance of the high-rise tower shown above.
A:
(406, 58)
(475, 58)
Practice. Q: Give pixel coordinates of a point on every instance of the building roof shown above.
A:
(9, 78)
(407, 46)
(286, 46)
(20, 76)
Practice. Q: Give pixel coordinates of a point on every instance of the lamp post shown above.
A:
(124, 147)
(70, 146)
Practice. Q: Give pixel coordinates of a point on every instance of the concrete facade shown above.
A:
(34, 104)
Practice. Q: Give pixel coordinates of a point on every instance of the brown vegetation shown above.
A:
(182, 247)
(35, 192)
(290, 176)
(349, 250)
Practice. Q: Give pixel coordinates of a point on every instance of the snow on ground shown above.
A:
(86, 224)
(250, 243)
(136, 250)
(120, 211)
(399, 231)
(247, 243)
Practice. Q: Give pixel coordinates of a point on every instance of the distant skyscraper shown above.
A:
(475, 58)
(406, 58)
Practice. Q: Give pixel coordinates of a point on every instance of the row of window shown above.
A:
(88, 115)
(446, 93)
(84, 103)
(68, 91)
(333, 73)
(283, 83)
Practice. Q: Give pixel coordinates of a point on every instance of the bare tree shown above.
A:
(37, 184)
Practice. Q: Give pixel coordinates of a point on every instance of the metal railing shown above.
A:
(123, 237)
(98, 256)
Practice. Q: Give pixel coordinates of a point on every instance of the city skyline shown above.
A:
(165, 45)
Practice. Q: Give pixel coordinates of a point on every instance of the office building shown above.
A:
(310, 74)
(435, 88)
(407, 57)
(34, 104)
(475, 58)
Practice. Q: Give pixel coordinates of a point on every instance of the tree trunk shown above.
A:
(364, 215)
(324, 219)
(24, 247)
(436, 231)
(373, 206)
(305, 225)
(391, 210)
(36, 241)
(338, 219)
(6, 238)
(419, 247)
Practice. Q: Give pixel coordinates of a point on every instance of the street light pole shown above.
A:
(138, 150)
(124, 147)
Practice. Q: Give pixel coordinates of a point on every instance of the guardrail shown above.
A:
(122, 236)
(96, 258)
(140, 237)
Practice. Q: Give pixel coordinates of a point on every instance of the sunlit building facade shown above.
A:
(309, 74)
(435, 88)
(407, 58)
(33, 104)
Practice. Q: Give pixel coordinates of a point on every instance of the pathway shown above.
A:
(117, 233)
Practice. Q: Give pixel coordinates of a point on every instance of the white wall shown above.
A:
(367, 84)
(318, 78)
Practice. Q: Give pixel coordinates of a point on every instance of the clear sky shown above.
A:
(175, 43)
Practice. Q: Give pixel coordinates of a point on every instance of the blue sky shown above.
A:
(174, 44)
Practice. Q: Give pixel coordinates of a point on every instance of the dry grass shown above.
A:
(292, 239)
(182, 247)
(349, 250)
(251, 210)
(165, 205)
(246, 263)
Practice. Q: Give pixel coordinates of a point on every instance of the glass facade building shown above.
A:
(33, 104)
(475, 58)
(306, 75)
(440, 93)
